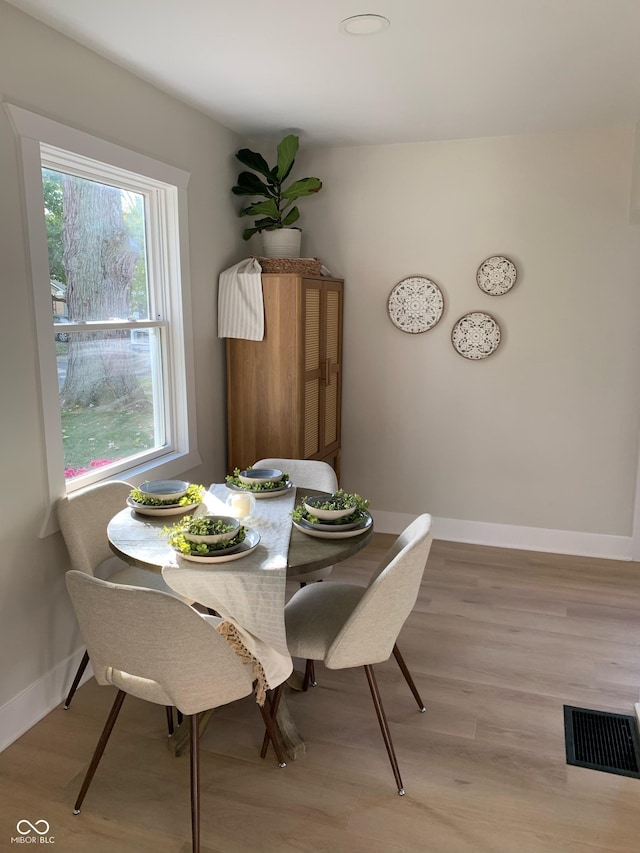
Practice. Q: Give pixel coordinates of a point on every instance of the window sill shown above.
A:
(168, 467)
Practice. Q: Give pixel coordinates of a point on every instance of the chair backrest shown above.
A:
(368, 636)
(150, 644)
(306, 473)
(84, 517)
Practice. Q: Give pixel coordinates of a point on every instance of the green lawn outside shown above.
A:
(94, 435)
(90, 435)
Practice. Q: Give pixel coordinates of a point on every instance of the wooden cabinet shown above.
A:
(284, 392)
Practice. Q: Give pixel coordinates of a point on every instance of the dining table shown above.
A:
(247, 591)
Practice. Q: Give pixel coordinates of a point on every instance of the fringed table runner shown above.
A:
(249, 592)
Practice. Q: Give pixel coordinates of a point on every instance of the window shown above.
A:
(107, 242)
(109, 357)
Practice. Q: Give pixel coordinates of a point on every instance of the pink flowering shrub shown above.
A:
(95, 463)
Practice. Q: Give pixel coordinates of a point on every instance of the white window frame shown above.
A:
(44, 142)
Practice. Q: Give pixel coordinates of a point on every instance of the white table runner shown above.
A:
(249, 592)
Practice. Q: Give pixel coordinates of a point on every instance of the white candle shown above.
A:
(241, 505)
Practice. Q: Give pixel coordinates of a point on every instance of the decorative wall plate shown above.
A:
(496, 275)
(415, 304)
(476, 335)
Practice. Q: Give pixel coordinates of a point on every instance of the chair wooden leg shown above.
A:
(195, 783)
(384, 726)
(274, 701)
(309, 675)
(97, 755)
(76, 680)
(407, 677)
(272, 734)
(169, 711)
(179, 716)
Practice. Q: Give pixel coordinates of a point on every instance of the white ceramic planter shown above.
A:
(281, 243)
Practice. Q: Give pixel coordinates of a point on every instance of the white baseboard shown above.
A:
(37, 700)
(513, 536)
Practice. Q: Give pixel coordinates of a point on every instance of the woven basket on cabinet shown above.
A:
(297, 266)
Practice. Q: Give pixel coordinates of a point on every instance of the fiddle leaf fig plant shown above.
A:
(275, 211)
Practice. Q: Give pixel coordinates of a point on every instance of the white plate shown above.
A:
(172, 509)
(267, 493)
(349, 525)
(338, 534)
(250, 543)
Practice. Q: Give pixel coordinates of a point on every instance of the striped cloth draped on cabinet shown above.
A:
(240, 302)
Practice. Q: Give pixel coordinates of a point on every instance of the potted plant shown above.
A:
(276, 215)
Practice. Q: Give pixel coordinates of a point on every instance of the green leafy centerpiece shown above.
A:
(234, 480)
(186, 535)
(340, 508)
(193, 495)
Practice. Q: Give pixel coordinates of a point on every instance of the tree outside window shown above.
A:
(96, 247)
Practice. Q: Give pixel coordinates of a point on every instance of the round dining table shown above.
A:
(139, 541)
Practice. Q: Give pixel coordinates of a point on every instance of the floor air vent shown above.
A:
(602, 741)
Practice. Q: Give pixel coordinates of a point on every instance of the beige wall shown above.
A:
(543, 434)
(47, 73)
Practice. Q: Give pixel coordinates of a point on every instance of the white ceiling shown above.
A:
(445, 69)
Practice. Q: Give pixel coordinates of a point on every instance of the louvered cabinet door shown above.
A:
(264, 380)
(323, 367)
(283, 392)
(331, 372)
(312, 336)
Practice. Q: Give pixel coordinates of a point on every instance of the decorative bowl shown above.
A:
(313, 504)
(164, 490)
(210, 521)
(260, 476)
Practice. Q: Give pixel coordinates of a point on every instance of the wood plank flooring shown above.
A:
(499, 640)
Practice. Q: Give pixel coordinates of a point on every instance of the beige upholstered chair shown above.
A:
(156, 647)
(83, 518)
(306, 474)
(346, 625)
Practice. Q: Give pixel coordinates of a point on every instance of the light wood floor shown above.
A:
(498, 642)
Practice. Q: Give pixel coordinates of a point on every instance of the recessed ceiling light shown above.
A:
(364, 25)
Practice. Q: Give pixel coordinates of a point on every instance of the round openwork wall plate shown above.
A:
(476, 335)
(496, 275)
(415, 304)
